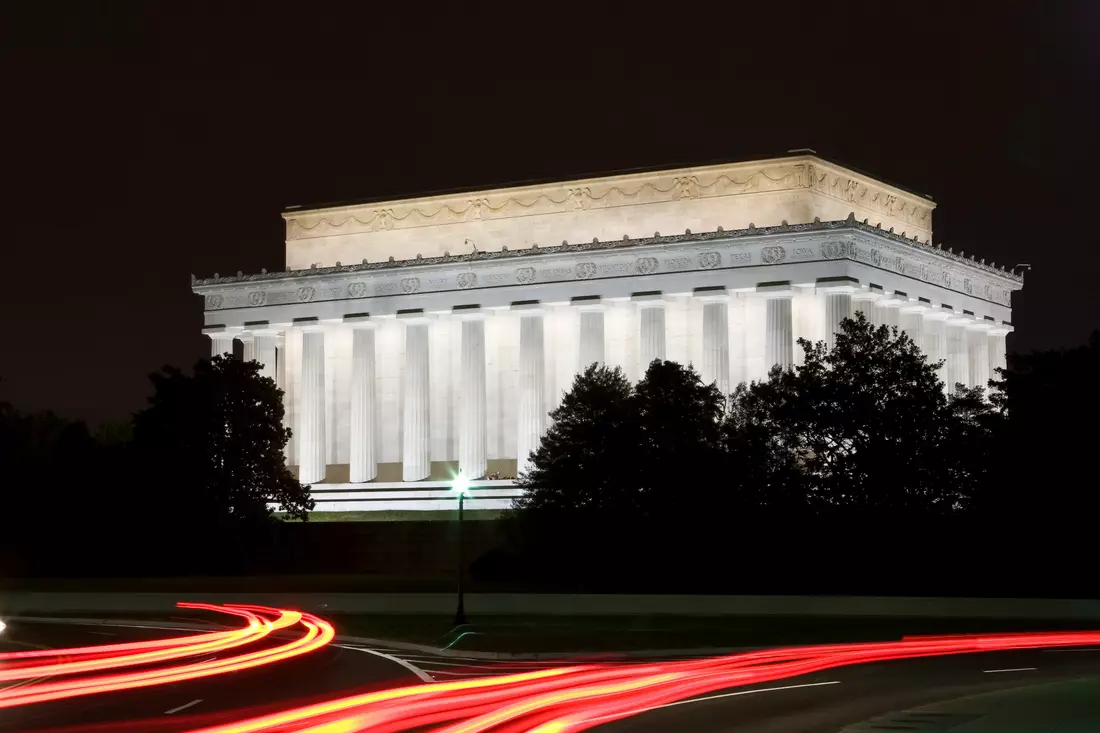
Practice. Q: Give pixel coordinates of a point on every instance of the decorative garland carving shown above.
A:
(646, 188)
(773, 255)
(710, 260)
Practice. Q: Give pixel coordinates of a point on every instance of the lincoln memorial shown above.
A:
(419, 338)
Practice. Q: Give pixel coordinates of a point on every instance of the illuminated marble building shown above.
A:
(422, 337)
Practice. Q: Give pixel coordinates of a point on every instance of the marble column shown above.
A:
(281, 383)
(716, 339)
(911, 322)
(887, 311)
(265, 353)
(591, 335)
(838, 306)
(311, 418)
(362, 412)
(221, 343)
(977, 354)
(778, 327)
(416, 464)
(935, 340)
(531, 410)
(958, 365)
(864, 302)
(997, 347)
(248, 347)
(472, 454)
(651, 330)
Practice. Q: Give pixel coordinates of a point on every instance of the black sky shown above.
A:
(147, 141)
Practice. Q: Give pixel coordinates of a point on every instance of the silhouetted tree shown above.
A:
(583, 462)
(762, 473)
(679, 450)
(866, 423)
(1044, 469)
(214, 443)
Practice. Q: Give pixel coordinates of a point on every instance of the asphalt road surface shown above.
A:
(323, 674)
(839, 699)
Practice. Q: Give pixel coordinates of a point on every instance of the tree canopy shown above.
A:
(216, 440)
(865, 426)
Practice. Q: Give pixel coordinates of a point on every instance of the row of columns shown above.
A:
(970, 348)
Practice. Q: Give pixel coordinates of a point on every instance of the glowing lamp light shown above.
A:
(460, 485)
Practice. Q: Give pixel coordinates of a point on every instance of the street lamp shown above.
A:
(461, 486)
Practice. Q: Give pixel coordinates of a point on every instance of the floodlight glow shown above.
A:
(460, 485)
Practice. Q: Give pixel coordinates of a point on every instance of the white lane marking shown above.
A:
(502, 673)
(450, 662)
(433, 663)
(102, 633)
(1013, 669)
(424, 676)
(717, 697)
(183, 707)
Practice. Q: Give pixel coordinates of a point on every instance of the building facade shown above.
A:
(418, 338)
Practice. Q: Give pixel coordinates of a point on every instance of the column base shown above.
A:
(340, 473)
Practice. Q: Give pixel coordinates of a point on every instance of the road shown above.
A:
(843, 698)
(325, 673)
(871, 697)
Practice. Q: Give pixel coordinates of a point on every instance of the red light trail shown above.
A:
(80, 677)
(576, 698)
(565, 699)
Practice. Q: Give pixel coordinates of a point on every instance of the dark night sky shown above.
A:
(143, 143)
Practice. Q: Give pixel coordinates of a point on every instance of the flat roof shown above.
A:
(565, 178)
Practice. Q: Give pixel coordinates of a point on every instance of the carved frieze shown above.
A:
(773, 255)
(805, 174)
(627, 258)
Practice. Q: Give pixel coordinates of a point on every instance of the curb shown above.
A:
(544, 656)
(408, 645)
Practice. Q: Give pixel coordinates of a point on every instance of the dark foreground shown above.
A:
(875, 697)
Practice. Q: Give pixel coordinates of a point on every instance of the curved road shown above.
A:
(325, 673)
(844, 698)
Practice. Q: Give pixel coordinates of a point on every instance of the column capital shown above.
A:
(866, 296)
(775, 289)
(718, 294)
(959, 319)
(469, 313)
(525, 308)
(914, 307)
(939, 313)
(413, 316)
(359, 321)
(649, 299)
(309, 324)
(1001, 329)
(979, 325)
(222, 332)
(842, 284)
(588, 303)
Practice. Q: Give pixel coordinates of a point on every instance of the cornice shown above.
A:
(783, 174)
(751, 231)
(820, 242)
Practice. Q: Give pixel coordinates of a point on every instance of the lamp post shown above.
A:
(461, 486)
